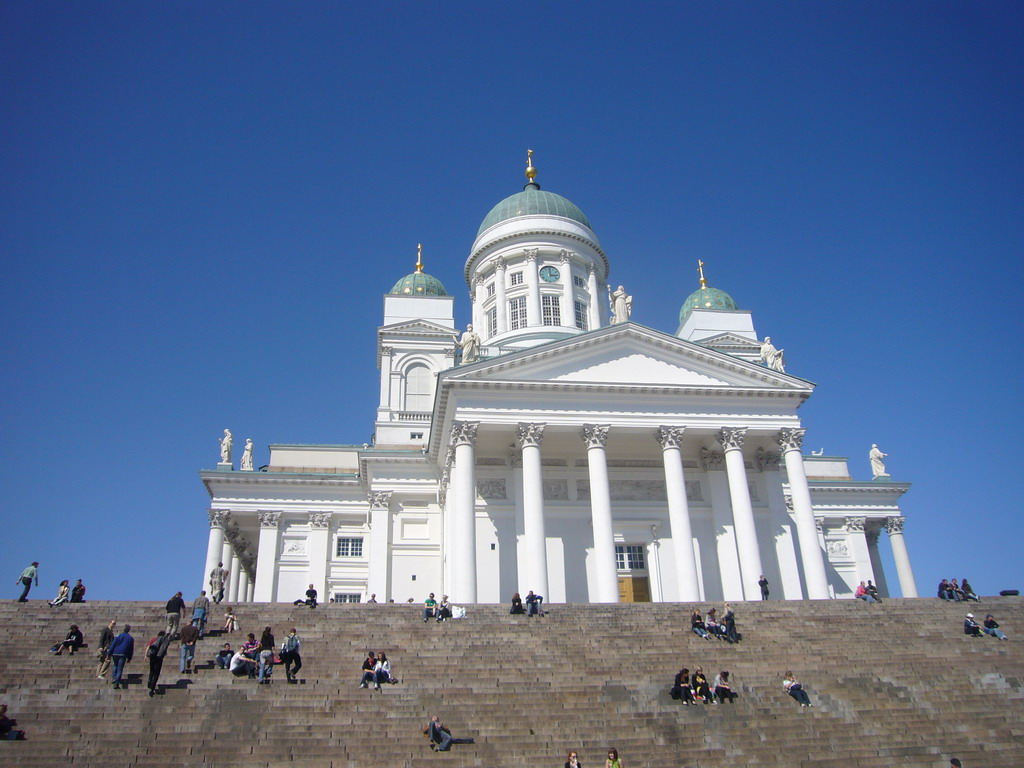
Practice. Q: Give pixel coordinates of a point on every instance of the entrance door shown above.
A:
(634, 589)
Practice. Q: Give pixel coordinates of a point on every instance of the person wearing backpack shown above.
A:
(155, 652)
(290, 655)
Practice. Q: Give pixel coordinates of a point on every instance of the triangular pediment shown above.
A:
(415, 328)
(629, 355)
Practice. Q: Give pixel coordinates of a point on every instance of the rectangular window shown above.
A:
(578, 281)
(492, 321)
(550, 311)
(490, 289)
(629, 557)
(581, 315)
(516, 278)
(517, 313)
(349, 547)
(347, 597)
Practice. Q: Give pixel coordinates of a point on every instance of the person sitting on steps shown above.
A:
(310, 598)
(700, 686)
(873, 591)
(968, 591)
(381, 670)
(795, 689)
(861, 593)
(517, 605)
(224, 656)
(723, 688)
(429, 607)
(534, 604)
(440, 737)
(991, 627)
(444, 609)
(63, 594)
(369, 666)
(971, 627)
(697, 624)
(681, 688)
(72, 642)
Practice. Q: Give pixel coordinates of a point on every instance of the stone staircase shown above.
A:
(892, 684)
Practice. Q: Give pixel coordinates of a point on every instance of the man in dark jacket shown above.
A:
(121, 651)
(155, 653)
(175, 609)
(106, 638)
(189, 638)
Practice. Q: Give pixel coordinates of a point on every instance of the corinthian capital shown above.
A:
(855, 524)
(464, 432)
(670, 437)
(219, 518)
(731, 438)
(319, 519)
(379, 499)
(595, 435)
(269, 519)
(790, 439)
(531, 254)
(894, 525)
(529, 434)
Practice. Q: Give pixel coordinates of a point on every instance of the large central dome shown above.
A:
(533, 200)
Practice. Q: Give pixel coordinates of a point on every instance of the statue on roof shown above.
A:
(470, 345)
(246, 465)
(773, 357)
(225, 447)
(877, 465)
(622, 305)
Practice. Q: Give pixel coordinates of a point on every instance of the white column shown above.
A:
(377, 581)
(218, 522)
(243, 587)
(250, 592)
(731, 440)
(462, 496)
(811, 554)
(679, 513)
(594, 306)
(606, 574)
(568, 308)
(858, 545)
(654, 569)
(319, 550)
(724, 530)
(529, 437)
(266, 559)
(877, 571)
(236, 566)
(477, 298)
(225, 558)
(894, 526)
(533, 316)
(499, 296)
(385, 376)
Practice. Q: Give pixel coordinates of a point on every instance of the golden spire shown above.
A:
(419, 257)
(531, 172)
(700, 268)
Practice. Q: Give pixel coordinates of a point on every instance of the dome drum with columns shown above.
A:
(550, 449)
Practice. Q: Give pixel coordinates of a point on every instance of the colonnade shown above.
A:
(461, 500)
(226, 546)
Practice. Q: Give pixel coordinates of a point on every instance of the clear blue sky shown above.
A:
(202, 204)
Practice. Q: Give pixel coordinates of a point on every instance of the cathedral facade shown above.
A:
(556, 446)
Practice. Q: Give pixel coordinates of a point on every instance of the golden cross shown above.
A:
(419, 257)
(700, 268)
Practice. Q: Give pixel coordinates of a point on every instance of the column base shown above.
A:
(225, 467)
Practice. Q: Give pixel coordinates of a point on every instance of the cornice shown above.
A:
(520, 234)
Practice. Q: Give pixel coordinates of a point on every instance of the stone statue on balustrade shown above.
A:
(246, 465)
(773, 357)
(470, 345)
(621, 304)
(225, 447)
(877, 466)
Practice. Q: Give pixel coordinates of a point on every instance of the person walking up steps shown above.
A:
(30, 573)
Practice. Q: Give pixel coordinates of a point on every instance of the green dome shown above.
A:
(419, 284)
(706, 298)
(533, 200)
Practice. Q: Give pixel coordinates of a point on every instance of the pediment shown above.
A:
(415, 328)
(629, 355)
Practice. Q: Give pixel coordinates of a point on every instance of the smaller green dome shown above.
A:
(706, 298)
(419, 284)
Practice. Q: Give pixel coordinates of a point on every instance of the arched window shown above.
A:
(419, 388)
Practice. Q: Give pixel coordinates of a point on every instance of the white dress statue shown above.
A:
(225, 447)
(246, 465)
(470, 344)
(877, 466)
(773, 358)
(622, 306)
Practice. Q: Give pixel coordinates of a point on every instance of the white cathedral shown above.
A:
(558, 447)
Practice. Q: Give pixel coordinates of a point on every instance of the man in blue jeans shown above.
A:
(30, 573)
(189, 637)
(534, 604)
(439, 735)
(121, 651)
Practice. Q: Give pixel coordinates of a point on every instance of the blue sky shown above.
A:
(201, 206)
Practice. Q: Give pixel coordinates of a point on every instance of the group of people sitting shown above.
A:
(534, 605)
(376, 671)
(256, 659)
(439, 611)
(691, 689)
(867, 592)
(950, 590)
(713, 626)
(989, 627)
(68, 594)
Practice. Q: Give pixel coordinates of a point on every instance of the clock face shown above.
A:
(549, 274)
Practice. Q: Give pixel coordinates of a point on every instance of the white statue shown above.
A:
(876, 456)
(470, 344)
(246, 465)
(622, 306)
(773, 358)
(225, 447)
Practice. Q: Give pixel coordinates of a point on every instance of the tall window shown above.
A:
(492, 321)
(549, 310)
(490, 289)
(578, 281)
(517, 313)
(630, 557)
(349, 547)
(581, 315)
(516, 278)
(419, 388)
